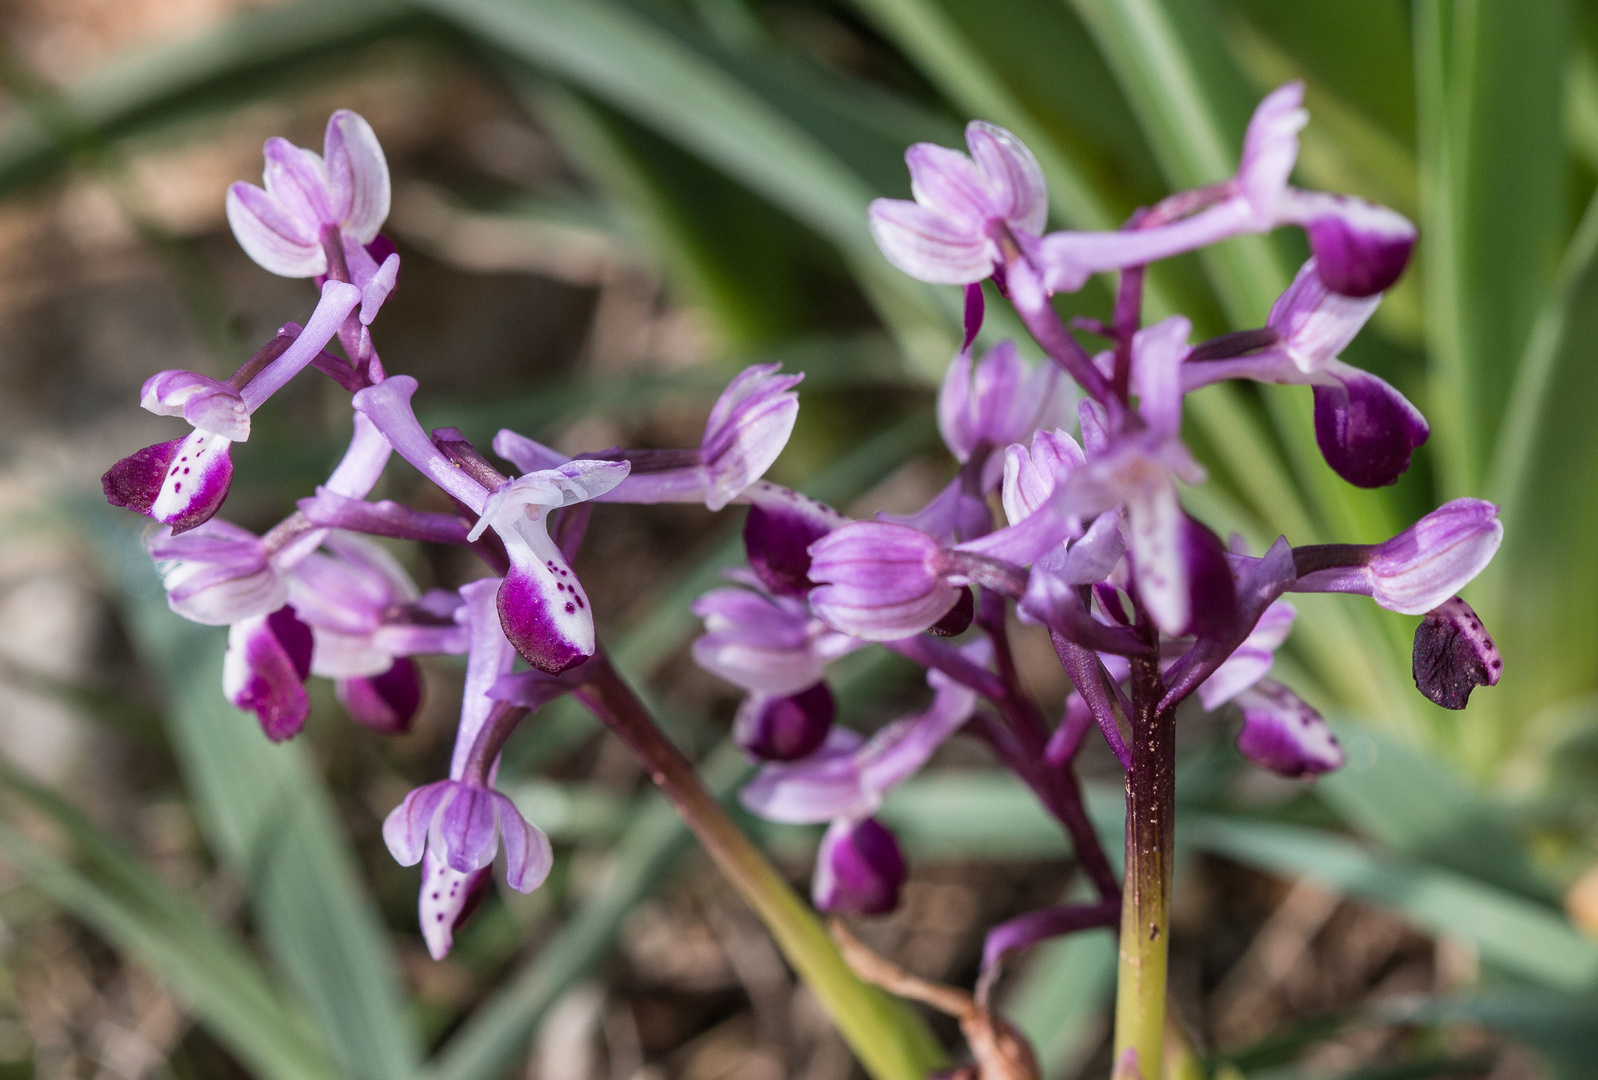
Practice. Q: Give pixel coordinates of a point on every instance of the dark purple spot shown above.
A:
(559, 587)
(177, 487)
(185, 470)
(570, 608)
(439, 916)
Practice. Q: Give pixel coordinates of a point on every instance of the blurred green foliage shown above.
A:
(741, 157)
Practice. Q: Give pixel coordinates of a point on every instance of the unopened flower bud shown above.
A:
(859, 869)
(785, 728)
(385, 703)
(879, 581)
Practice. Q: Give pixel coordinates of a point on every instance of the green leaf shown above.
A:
(1417, 806)
(137, 912)
(236, 60)
(1512, 933)
(1534, 595)
(268, 815)
(685, 90)
(1490, 81)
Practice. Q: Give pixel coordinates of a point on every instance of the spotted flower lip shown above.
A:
(183, 483)
(345, 189)
(1284, 734)
(1454, 654)
(944, 236)
(542, 608)
(264, 670)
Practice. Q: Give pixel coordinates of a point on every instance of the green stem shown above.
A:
(1146, 888)
(890, 1040)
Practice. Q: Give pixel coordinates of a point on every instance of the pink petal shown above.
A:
(928, 246)
(406, 827)
(1013, 173)
(528, 856)
(272, 237)
(357, 175)
(297, 179)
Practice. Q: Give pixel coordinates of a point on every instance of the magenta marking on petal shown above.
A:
(136, 480)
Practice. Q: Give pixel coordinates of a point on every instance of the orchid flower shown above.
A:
(747, 428)
(182, 483)
(946, 236)
(996, 402)
(453, 827)
(1365, 247)
(1366, 429)
(314, 206)
(859, 868)
(542, 605)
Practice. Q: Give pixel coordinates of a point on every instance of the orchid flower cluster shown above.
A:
(1145, 606)
(1086, 537)
(316, 595)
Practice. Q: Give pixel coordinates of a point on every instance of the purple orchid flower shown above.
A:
(368, 618)
(859, 868)
(998, 401)
(453, 827)
(747, 429)
(848, 777)
(946, 236)
(314, 206)
(1365, 246)
(765, 643)
(1366, 429)
(542, 605)
(182, 483)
